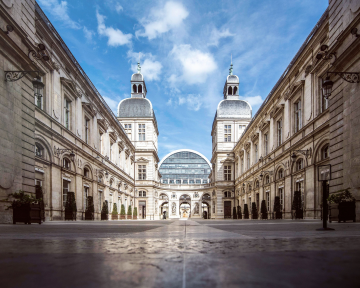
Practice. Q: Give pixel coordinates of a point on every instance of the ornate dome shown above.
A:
(135, 107)
(234, 109)
(232, 79)
(137, 77)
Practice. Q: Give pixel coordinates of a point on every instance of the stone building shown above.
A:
(65, 138)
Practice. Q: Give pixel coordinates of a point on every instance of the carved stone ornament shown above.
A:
(8, 3)
(173, 208)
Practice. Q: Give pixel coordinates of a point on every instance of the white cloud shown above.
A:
(59, 11)
(196, 65)
(150, 68)
(88, 34)
(113, 104)
(118, 7)
(163, 20)
(193, 102)
(216, 35)
(253, 100)
(116, 37)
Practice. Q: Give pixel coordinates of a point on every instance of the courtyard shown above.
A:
(180, 253)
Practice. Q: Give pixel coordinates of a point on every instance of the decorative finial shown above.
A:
(139, 67)
(231, 67)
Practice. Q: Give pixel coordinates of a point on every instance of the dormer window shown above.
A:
(134, 88)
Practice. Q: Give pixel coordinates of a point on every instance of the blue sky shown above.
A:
(185, 49)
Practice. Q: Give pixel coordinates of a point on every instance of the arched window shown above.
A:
(134, 88)
(140, 88)
(39, 150)
(100, 179)
(325, 152)
(267, 179)
(281, 173)
(66, 163)
(86, 172)
(299, 164)
(235, 90)
(230, 90)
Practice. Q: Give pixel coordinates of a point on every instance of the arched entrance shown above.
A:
(185, 206)
(205, 206)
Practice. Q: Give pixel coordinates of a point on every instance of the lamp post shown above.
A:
(324, 175)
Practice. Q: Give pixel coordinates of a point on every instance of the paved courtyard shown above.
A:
(192, 253)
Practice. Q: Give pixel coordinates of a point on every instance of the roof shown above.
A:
(234, 109)
(232, 79)
(137, 77)
(185, 150)
(135, 107)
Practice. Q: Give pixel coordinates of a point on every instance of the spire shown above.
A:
(139, 67)
(231, 67)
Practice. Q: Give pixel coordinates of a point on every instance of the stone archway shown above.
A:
(185, 210)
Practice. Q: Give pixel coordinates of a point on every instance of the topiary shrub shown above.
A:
(246, 211)
(70, 207)
(234, 213)
(135, 213)
(297, 205)
(114, 213)
(122, 212)
(263, 210)
(105, 211)
(254, 212)
(239, 212)
(129, 213)
(277, 208)
(89, 212)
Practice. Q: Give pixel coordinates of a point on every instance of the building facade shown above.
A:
(65, 138)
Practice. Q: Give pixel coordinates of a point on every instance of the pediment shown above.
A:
(277, 110)
(103, 124)
(228, 160)
(294, 88)
(142, 159)
(71, 86)
(264, 125)
(89, 108)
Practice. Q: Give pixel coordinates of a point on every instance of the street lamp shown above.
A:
(324, 175)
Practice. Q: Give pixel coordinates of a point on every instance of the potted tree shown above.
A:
(234, 213)
(122, 212)
(239, 212)
(105, 211)
(70, 207)
(26, 208)
(129, 213)
(254, 212)
(114, 213)
(89, 212)
(263, 210)
(346, 205)
(135, 213)
(277, 208)
(297, 206)
(246, 211)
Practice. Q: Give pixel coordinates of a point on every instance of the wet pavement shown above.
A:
(192, 253)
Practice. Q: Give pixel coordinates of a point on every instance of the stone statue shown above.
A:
(196, 209)
(173, 208)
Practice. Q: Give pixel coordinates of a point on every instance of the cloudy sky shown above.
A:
(185, 49)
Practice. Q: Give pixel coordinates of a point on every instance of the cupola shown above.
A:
(231, 88)
(138, 87)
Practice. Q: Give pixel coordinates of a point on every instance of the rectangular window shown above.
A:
(87, 123)
(67, 113)
(227, 133)
(281, 195)
(256, 153)
(111, 150)
(279, 132)
(142, 172)
(86, 194)
(300, 187)
(128, 130)
(268, 201)
(266, 143)
(101, 142)
(242, 165)
(248, 160)
(100, 200)
(297, 111)
(324, 103)
(141, 132)
(227, 172)
(66, 187)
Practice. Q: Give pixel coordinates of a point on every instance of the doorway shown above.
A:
(142, 209)
(227, 209)
(185, 210)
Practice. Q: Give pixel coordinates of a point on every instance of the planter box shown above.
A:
(254, 216)
(278, 215)
(298, 214)
(122, 217)
(89, 215)
(264, 216)
(104, 216)
(135, 218)
(27, 214)
(114, 217)
(347, 211)
(129, 217)
(70, 215)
